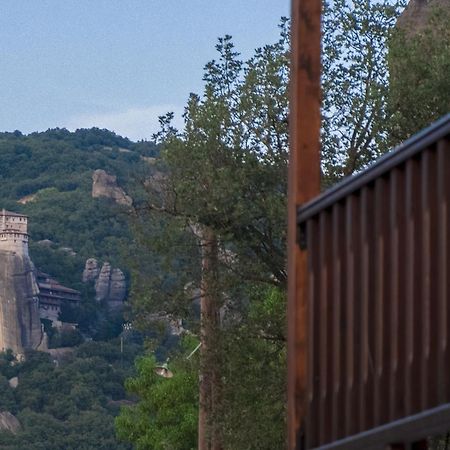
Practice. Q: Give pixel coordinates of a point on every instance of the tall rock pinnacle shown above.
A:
(20, 327)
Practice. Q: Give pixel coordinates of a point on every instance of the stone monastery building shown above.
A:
(14, 232)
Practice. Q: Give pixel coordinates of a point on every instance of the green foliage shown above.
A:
(65, 338)
(228, 166)
(55, 168)
(69, 405)
(355, 83)
(166, 416)
(226, 171)
(419, 67)
(7, 401)
(254, 375)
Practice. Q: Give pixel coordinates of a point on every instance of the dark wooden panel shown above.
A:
(352, 347)
(396, 301)
(367, 309)
(429, 272)
(312, 423)
(443, 268)
(379, 313)
(382, 317)
(413, 289)
(339, 319)
(325, 327)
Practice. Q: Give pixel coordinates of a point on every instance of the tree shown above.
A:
(227, 182)
(225, 174)
(254, 389)
(165, 416)
(419, 64)
(355, 83)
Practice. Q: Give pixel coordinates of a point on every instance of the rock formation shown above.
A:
(110, 283)
(110, 286)
(105, 185)
(13, 382)
(20, 326)
(91, 270)
(103, 282)
(117, 289)
(9, 422)
(416, 15)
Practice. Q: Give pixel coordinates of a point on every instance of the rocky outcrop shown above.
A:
(91, 270)
(13, 382)
(416, 15)
(111, 286)
(110, 283)
(117, 289)
(103, 282)
(20, 326)
(9, 422)
(105, 185)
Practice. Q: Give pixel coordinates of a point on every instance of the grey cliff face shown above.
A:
(110, 283)
(117, 289)
(9, 422)
(91, 270)
(20, 326)
(103, 282)
(105, 185)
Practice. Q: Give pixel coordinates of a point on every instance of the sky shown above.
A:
(116, 64)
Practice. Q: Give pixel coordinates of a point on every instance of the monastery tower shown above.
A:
(20, 327)
(14, 232)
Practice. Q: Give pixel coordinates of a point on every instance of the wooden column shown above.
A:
(304, 184)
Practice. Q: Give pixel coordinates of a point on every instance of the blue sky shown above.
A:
(116, 64)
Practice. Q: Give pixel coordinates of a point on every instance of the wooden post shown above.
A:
(304, 184)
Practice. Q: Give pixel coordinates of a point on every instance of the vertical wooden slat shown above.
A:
(330, 344)
(413, 289)
(382, 306)
(443, 268)
(396, 272)
(313, 380)
(352, 313)
(349, 409)
(429, 301)
(394, 298)
(339, 325)
(365, 298)
(324, 329)
(433, 336)
(424, 201)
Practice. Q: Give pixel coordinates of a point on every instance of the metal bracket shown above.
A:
(302, 240)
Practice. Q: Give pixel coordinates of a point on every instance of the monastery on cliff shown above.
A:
(52, 295)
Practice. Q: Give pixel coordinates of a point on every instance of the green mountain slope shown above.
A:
(48, 176)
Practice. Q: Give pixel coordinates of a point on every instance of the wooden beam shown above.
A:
(304, 184)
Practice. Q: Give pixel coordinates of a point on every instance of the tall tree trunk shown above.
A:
(209, 402)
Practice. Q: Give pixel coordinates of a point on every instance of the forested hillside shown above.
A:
(71, 402)
(68, 405)
(48, 176)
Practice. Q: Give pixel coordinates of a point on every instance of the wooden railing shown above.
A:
(378, 272)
